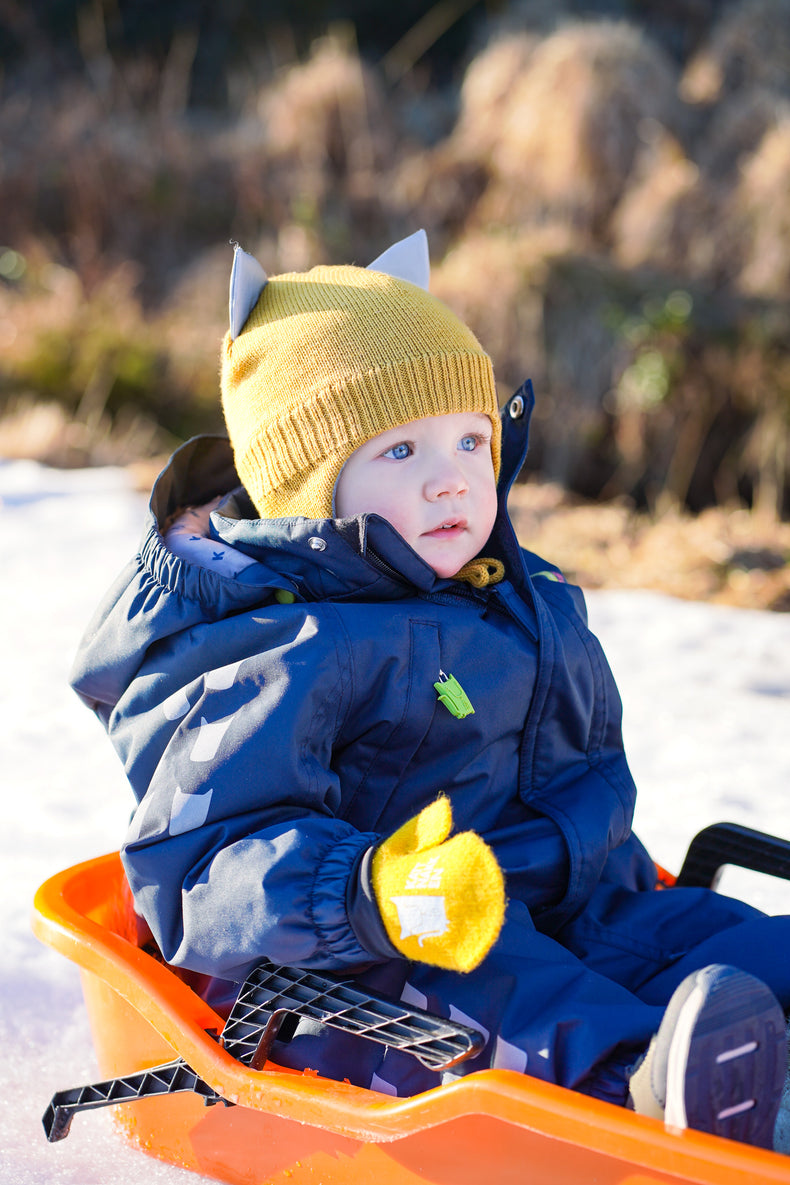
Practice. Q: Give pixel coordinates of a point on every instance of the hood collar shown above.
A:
(327, 558)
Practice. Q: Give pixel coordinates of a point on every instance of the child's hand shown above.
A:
(442, 900)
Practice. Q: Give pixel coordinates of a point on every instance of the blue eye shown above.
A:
(468, 444)
(399, 452)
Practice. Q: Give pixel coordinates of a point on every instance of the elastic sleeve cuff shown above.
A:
(363, 912)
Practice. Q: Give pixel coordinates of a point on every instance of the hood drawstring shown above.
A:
(481, 572)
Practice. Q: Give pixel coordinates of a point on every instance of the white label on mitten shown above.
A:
(423, 917)
(425, 875)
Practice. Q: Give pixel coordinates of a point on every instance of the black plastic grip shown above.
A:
(166, 1079)
(278, 992)
(730, 843)
(269, 1005)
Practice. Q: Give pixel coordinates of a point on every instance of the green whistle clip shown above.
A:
(453, 696)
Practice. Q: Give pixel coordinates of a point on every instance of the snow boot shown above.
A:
(719, 1059)
(782, 1128)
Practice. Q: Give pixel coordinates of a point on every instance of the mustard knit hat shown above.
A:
(328, 359)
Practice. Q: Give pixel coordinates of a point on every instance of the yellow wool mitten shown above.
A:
(442, 900)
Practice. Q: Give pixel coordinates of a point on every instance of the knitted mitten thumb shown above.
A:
(442, 900)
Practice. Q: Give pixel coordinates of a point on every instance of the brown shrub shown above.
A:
(328, 136)
(748, 47)
(571, 136)
(667, 215)
(720, 214)
(763, 215)
(486, 93)
(191, 325)
(495, 281)
(736, 126)
(541, 311)
(740, 173)
(96, 354)
(568, 134)
(107, 182)
(440, 188)
(319, 110)
(645, 389)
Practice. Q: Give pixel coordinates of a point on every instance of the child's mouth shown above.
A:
(449, 529)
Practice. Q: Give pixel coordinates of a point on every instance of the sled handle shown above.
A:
(279, 992)
(269, 1005)
(170, 1078)
(730, 843)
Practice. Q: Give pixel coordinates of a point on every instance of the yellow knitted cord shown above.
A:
(481, 572)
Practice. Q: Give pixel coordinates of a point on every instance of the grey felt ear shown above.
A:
(406, 260)
(247, 282)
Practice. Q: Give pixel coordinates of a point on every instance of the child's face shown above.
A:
(433, 480)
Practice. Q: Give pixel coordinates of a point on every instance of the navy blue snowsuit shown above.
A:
(274, 708)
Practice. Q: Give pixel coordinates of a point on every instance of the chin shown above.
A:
(447, 568)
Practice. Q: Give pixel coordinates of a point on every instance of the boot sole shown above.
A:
(728, 1058)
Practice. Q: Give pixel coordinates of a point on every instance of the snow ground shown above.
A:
(706, 693)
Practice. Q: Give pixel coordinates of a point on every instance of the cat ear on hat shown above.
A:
(407, 259)
(247, 282)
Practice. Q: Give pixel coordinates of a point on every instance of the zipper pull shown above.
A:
(453, 696)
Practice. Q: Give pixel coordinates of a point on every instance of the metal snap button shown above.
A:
(516, 407)
(316, 543)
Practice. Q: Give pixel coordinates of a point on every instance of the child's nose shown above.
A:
(447, 480)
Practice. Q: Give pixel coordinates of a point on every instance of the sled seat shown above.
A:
(278, 1124)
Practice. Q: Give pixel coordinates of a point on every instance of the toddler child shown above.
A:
(368, 733)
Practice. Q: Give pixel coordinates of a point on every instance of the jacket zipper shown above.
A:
(384, 567)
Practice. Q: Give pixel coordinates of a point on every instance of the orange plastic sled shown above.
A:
(292, 1128)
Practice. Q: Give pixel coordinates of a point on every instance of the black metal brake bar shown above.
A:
(271, 1000)
(730, 843)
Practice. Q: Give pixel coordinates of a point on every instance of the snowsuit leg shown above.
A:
(649, 942)
(545, 1013)
(577, 1009)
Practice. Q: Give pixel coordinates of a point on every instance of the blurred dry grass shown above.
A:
(610, 220)
(725, 556)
